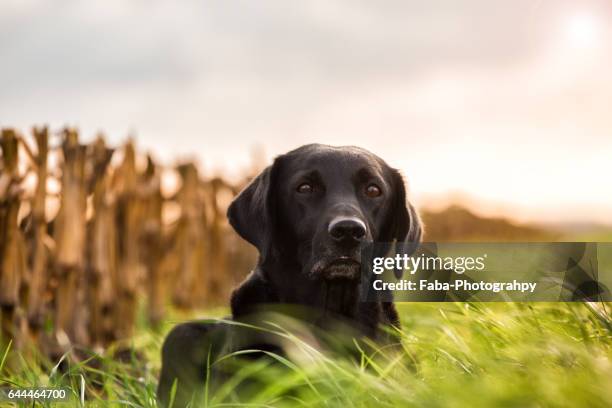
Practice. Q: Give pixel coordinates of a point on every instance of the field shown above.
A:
(454, 355)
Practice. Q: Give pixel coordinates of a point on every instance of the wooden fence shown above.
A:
(115, 241)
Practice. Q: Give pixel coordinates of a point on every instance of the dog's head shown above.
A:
(317, 205)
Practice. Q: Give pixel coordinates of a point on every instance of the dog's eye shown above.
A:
(373, 191)
(305, 188)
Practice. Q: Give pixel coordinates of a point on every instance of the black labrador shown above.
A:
(309, 214)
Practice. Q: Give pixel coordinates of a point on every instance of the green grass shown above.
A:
(453, 355)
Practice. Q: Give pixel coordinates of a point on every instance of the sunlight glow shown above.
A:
(583, 30)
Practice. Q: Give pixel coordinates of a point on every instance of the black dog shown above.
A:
(309, 214)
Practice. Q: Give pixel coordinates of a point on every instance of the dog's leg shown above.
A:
(186, 353)
(190, 350)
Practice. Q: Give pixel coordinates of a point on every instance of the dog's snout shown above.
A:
(347, 228)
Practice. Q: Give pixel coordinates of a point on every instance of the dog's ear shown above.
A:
(408, 226)
(403, 224)
(251, 212)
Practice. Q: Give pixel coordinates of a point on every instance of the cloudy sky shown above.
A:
(506, 104)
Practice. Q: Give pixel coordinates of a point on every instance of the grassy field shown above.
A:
(454, 355)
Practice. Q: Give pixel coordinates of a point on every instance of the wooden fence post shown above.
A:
(70, 234)
(190, 238)
(129, 218)
(38, 276)
(102, 257)
(151, 241)
(12, 246)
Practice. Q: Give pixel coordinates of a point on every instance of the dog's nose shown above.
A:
(347, 228)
